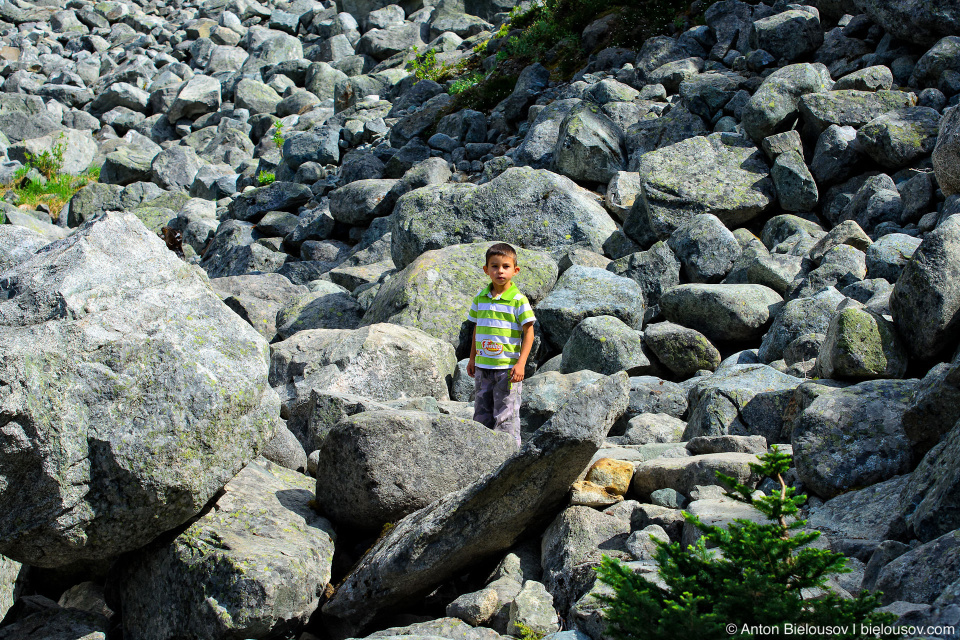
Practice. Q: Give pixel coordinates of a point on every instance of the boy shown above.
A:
(502, 338)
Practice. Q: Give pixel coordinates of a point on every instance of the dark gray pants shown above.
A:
(497, 403)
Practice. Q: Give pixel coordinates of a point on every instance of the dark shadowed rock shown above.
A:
(853, 437)
(921, 21)
(926, 299)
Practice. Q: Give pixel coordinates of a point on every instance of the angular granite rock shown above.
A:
(133, 395)
(254, 564)
(378, 466)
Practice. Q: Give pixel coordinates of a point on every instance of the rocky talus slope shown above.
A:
(233, 389)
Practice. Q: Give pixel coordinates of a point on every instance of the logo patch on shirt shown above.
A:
(491, 349)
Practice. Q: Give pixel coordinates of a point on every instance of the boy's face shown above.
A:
(501, 270)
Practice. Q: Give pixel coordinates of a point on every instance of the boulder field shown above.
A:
(234, 399)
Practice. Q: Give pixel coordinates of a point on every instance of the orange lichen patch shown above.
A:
(613, 475)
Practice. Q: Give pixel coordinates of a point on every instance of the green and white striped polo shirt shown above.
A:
(498, 320)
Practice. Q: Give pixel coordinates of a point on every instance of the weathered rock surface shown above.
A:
(380, 362)
(151, 395)
(253, 565)
(853, 437)
(926, 298)
(378, 466)
(533, 208)
(725, 312)
(583, 292)
(721, 174)
(742, 400)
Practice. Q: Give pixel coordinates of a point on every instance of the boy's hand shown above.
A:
(471, 368)
(517, 372)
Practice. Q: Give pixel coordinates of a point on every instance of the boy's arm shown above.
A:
(471, 364)
(526, 343)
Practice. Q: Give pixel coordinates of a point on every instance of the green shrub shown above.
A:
(49, 163)
(278, 138)
(426, 67)
(462, 84)
(754, 587)
(264, 178)
(53, 191)
(526, 633)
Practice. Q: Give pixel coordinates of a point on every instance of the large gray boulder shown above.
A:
(378, 466)
(315, 412)
(790, 34)
(198, 96)
(257, 298)
(539, 143)
(277, 196)
(328, 306)
(853, 437)
(897, 138)
(589, 146)
(861, 345)
(151, 395)
(58, 623)
(606, 345)
(849, 107)
(531, 208)
(436, 543)
(380, 362)
(705, 247)
(774, 106)
(683, 474)
(360, 201)
(682, 350)
(741, 400)
(925, 302)
(935, 407)
(434, 292)
(946, 153)
(655, 270)
(544, 394)
(572, 548)
(251, 566)
(583, 292)
(722, 174)
(929, 501)
(920, 21)
(175, 168)
(723, 312)
(78, 147)
(871, 513)
(922, 574)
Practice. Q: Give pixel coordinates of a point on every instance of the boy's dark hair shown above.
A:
(501, 249)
